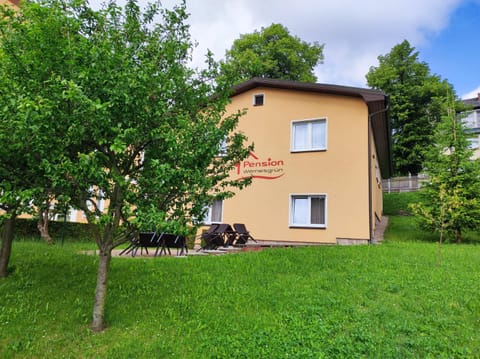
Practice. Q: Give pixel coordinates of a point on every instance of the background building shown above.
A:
(472, 120)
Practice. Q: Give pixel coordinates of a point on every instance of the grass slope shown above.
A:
(387, 301)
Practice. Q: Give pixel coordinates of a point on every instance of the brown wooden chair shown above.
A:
(212, 238)
(243, 235)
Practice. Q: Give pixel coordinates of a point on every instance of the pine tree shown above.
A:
(449, 201)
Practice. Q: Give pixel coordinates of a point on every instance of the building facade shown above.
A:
(320, 153)
(14, 3)
(472, 121)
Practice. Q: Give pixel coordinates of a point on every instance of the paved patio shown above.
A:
(251, 246)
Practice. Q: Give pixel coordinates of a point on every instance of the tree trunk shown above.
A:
(105, 244)
(98, 323)
(439, 254)
(458, 236)
(42, 226)
(7, 239)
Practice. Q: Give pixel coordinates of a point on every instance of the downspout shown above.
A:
(370, 193)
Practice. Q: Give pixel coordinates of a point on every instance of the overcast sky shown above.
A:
(355, 33)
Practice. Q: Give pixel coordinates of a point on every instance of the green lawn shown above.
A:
(385, 301)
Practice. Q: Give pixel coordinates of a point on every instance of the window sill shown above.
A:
(309, 150)
(311, 226)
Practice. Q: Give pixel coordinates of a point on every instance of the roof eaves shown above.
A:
(474, 102)
(367, 94)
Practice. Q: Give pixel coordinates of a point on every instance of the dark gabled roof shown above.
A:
(367, 94)
(377, 102)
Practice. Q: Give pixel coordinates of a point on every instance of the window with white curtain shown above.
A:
(309, 210)
(309, 135)
(214, 214)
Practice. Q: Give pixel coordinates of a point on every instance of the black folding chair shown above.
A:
(131, 246)
(146, 240)
(169, 240)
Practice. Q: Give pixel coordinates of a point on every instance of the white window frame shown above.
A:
(291, 222)
(254, 102)
(222, 148)
(73, 215)
(472, 118)
(310, 148)
(208, 216)
(473, 142)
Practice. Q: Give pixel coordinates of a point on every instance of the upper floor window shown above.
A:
(258, 99)
(310, 135)
(308, 210)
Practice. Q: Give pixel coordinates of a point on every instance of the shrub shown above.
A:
(27, 228)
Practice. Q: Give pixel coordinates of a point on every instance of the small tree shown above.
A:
(35, 62)
(273, 53)
(450, 203)
(131, 124)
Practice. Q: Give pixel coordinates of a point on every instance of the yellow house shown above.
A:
(14, 3)
(320, 154)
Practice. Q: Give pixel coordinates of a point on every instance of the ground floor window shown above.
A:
(308, 210)
(214, 214)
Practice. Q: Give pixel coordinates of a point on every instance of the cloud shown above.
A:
(354, 32)
(471, 94)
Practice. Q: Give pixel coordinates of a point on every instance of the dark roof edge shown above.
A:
(474, 102)
(376, 101)
(367, 94)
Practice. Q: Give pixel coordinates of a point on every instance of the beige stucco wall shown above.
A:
(340, 172)
(376, 184)
(3, 2)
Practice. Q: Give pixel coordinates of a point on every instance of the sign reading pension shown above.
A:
(255, 167)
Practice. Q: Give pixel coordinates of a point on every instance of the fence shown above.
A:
(403, 184)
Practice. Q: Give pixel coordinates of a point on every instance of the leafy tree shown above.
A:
(31, 66)
(449, 201)
(138, 128)
(416, 98)
(273, 53)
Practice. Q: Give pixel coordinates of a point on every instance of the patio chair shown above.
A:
(212, 238)
(146, 240)
(133, 244)
(243, 235)
(229, 235)
(169, 240)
